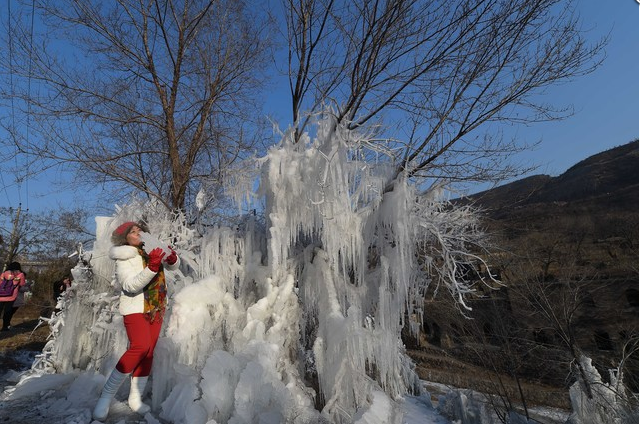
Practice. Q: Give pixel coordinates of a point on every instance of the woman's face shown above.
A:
(133, 238)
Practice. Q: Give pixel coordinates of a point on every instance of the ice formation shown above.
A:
(607, 402)
(295, 318)
(151, 242)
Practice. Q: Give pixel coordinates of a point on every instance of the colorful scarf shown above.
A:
(155, 293)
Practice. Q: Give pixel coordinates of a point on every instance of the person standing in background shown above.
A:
(13, 273)
(64, 285)
(59, 287)
(20, 298)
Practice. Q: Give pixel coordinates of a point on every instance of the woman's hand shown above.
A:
(172, 258)
(155, 259)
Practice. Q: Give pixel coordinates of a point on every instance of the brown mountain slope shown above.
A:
(592, 207)
(605, 175)
(571, 240)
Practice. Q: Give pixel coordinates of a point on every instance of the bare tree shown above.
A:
(439, 70)
(155, 96)
(44, 236)
(14, 235)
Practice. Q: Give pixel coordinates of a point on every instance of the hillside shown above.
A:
(610, 175)
(592, 207)
(571, 240)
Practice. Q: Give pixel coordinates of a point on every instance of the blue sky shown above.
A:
(605, 102)
(606, 110)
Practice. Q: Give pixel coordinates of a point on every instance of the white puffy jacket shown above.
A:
(133, 277)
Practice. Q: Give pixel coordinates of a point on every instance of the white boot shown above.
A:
(135, 395)
(109, 390)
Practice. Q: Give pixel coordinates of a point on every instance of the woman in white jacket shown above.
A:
(142, 303)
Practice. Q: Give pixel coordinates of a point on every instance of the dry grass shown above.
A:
(23, 336)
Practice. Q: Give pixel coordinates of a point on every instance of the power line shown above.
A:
(13, 108)
(10, 40)
(33, 14)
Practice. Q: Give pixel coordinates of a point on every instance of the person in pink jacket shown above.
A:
(142, 303)
(13, 273)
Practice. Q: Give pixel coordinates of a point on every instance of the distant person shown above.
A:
(20, 298)
(59, 287)
(56, 290)
(13, 278)
(142, 303)
(65, 284)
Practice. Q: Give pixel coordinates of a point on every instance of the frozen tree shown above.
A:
(293, 319)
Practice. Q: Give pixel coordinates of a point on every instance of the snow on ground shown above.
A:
(69, 399)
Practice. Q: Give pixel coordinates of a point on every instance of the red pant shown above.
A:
(143, 336)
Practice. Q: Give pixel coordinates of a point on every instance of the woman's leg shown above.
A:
(7, 314)
(12, 312)
(143, 336)
(144, 367)
(140, 342)
(140, 374)
(101, 410)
